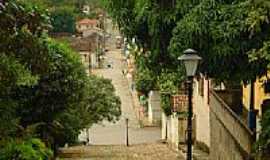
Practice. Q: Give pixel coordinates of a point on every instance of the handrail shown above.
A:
(231, 112)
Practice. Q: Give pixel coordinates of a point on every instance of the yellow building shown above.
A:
(261, 95)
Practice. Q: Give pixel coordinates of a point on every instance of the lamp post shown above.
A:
(191, 61)
(127, 138)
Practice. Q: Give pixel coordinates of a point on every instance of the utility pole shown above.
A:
(104, 30)
(190, 115)
(191, 61)
(127, 140)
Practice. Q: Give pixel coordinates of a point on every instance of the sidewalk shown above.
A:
(197, 153)
(108, 133)
(136, 104)
(143, 119)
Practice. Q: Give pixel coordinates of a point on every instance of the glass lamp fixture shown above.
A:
(191, 61)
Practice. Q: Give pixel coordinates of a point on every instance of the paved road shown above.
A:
(109, 133)
(152, 151)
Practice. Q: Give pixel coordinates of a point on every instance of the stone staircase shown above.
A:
(197, 153)
(147, 151)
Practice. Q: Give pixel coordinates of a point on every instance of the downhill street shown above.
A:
(110, 133)
(107, 140)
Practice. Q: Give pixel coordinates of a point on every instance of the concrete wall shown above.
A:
(163, 126)
(202, 111)
(177, 125)
(154, 108)
(230, 137)
(170, 130)
(173, 130)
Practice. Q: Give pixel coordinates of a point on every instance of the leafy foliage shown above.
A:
(102, 104)
(63, 20)
(12, 74)
(263, 144)
(123, 14)
(17, 46)
(145, 81)
(169, 85)
(99, 103)
(25, 150)
(151, 24)
(166, 104)
(220, 31)
(45, 91)
(232, 37)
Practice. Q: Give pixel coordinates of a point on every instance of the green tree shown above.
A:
(220, 31)
(25, 150)
(263, 145)
(232, 36)
(145, 81)
(99, 103)
(151, 23)
(169, 85)
(17, 46)
(63, 20)
(44, 85)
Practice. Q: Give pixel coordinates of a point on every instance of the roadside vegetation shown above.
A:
(46, 98)
(232, 37)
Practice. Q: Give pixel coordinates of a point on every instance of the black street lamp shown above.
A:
(191, 61)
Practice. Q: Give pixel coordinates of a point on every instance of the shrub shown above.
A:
(30, 149)
(145, 81)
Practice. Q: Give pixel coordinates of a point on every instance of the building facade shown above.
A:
(86, 24)
(261, 95)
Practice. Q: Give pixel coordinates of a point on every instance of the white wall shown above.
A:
(176, 126)
(173, 130)
(154, 108)
(202, 112)
(163, 126)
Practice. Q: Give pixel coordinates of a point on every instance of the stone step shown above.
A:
(197, 154)
(145, 151)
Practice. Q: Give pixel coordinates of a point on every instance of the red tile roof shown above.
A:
(87, 21)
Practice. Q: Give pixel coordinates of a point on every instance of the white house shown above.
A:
(86, 24)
